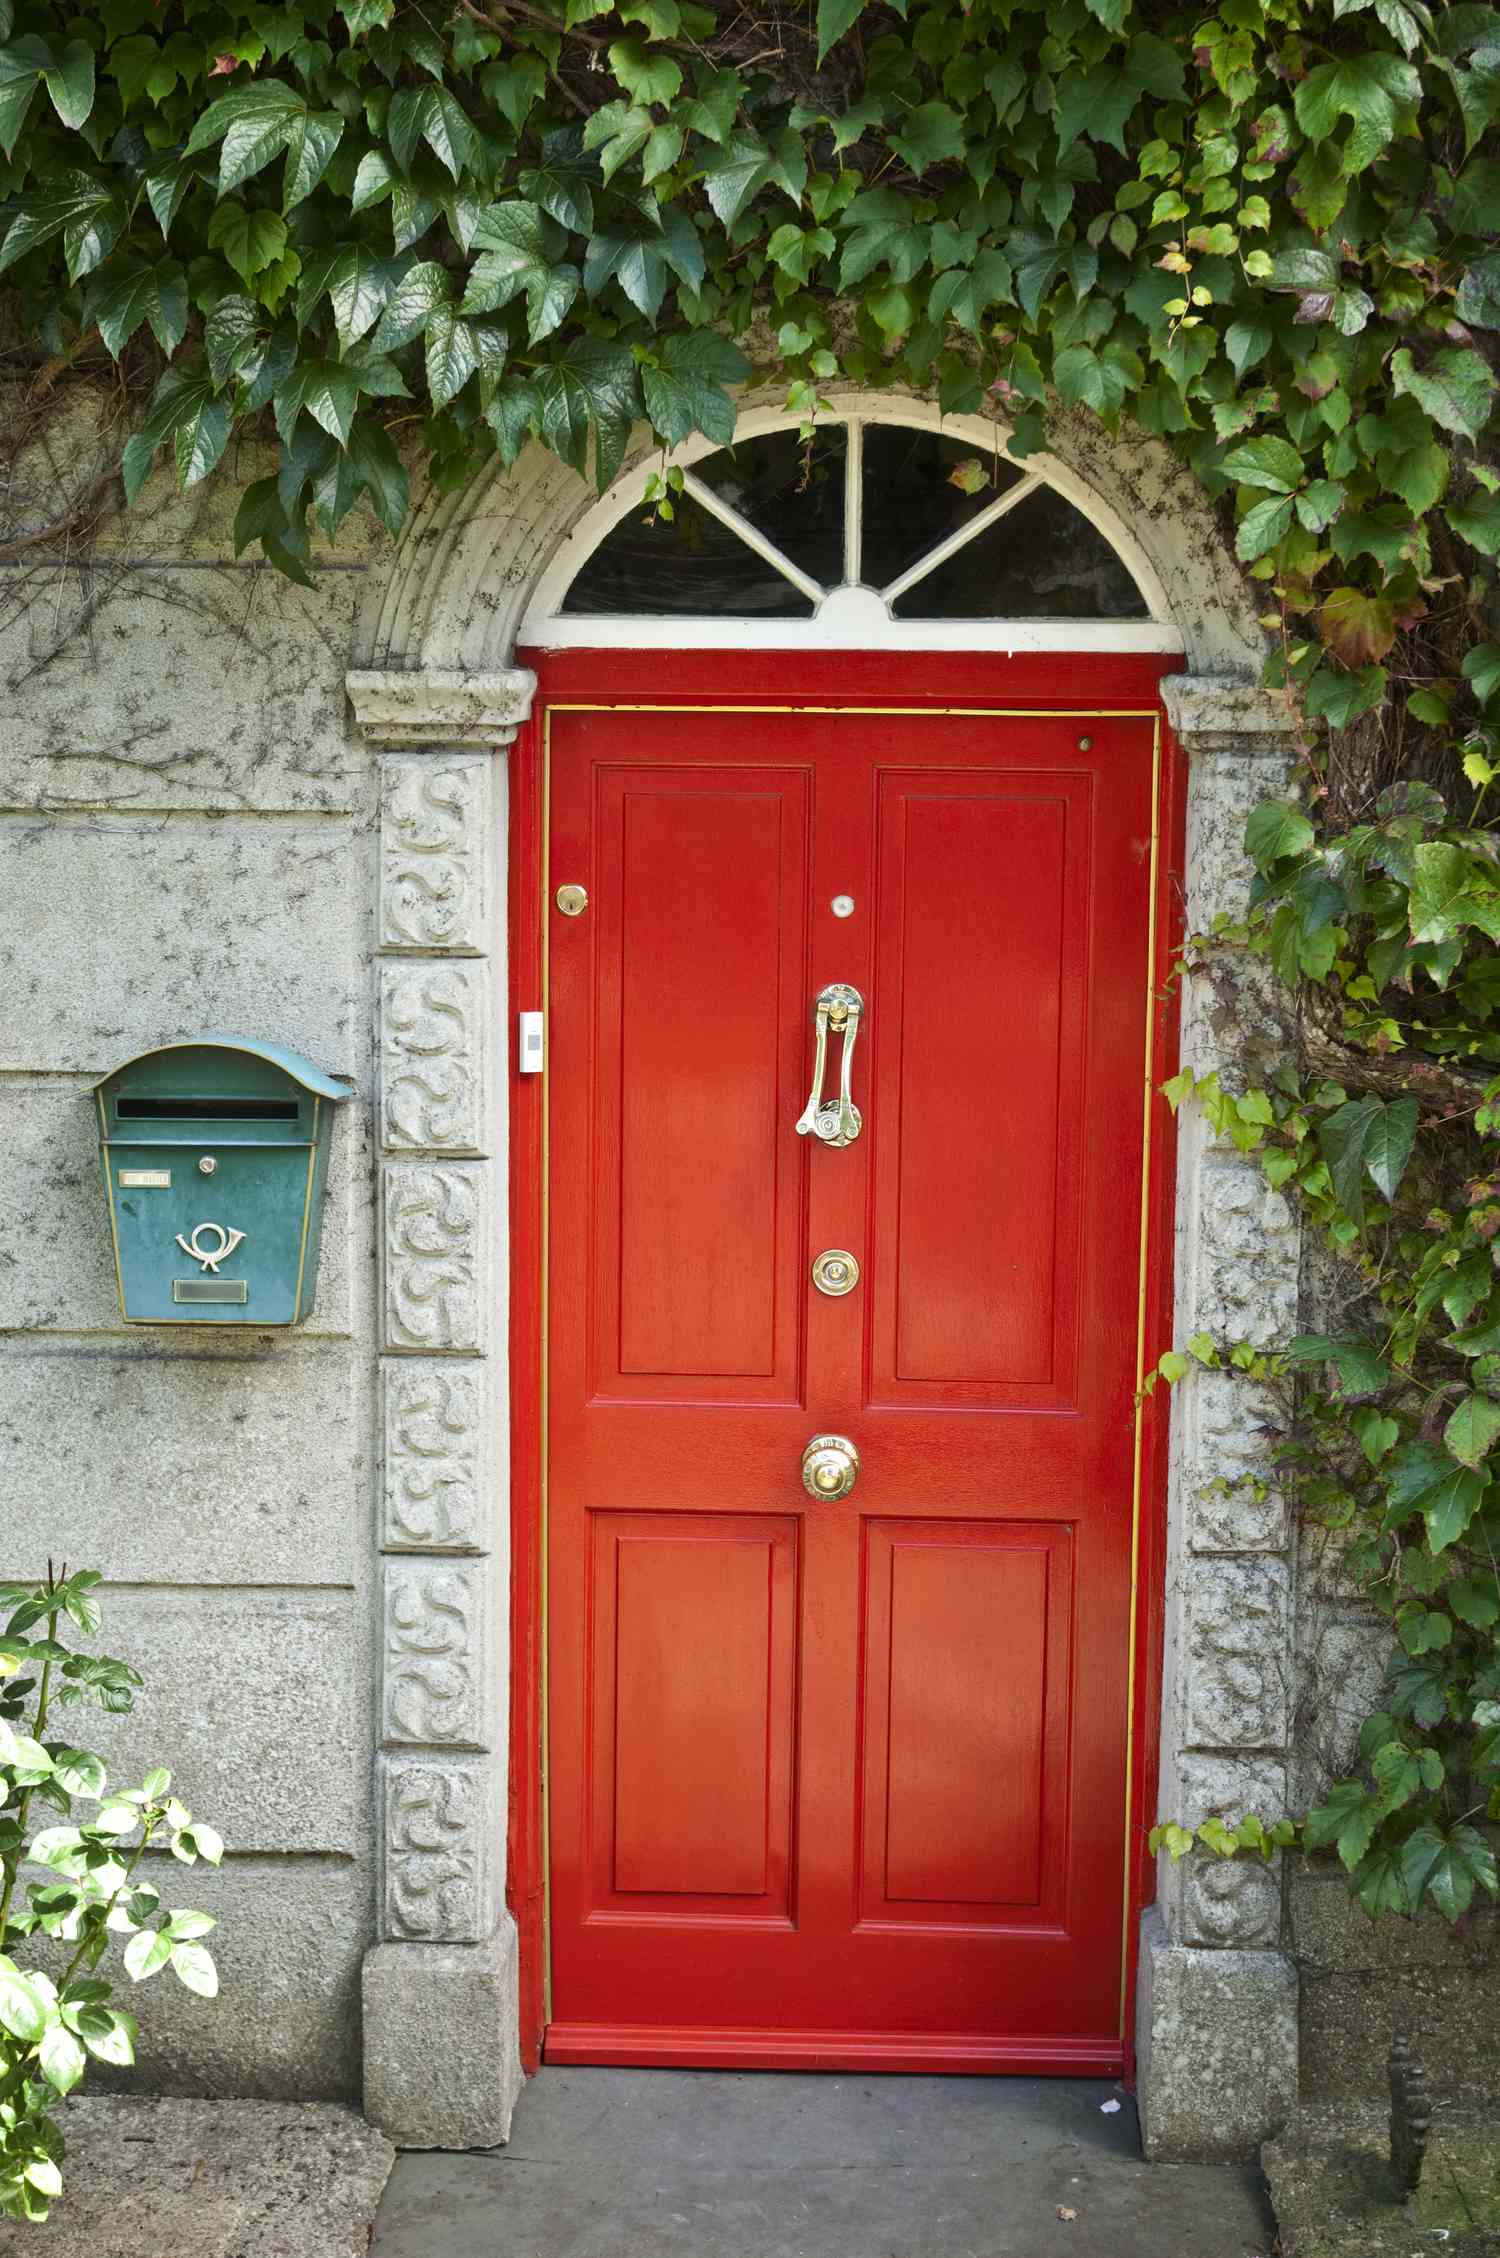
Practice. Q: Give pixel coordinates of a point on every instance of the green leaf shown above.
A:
(1342, 1137)
(310, 144)
(835, 17)
(1361, 1370)
(1276, 831)
(932, 134)
(156, 295)
(379, 470)
(1442, 878)
(430, 114)
(966, 294)
(1098, 102)
(734, 174)
(684, 392)
(179, 395)
(358, 285)
(1268, 462)
(85, 212)
(422, 290)
(1456, 388)
(70, 82)
(193, 1966)
(1447, 1867)
(1388, 1144)
(1261, 528)
(597, 389)
(23, 2012)
(1473, 1428)
(62, 2058)
(646, 77)
(147, 1951)
(116, 2044)
(20, 76)
(1478, 299)
(561, 183)
(1374, 91)
(250, 241)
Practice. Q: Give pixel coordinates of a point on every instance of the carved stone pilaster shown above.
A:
(436, 1852)
(1226, 1703)
(433, 859)
(431, 1057)
(437, 1430)
(435, 1666)
(434, 1274)
(447, 1961)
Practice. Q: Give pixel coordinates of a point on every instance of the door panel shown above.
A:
(700, 875)
(842, 1781)
(983, 940)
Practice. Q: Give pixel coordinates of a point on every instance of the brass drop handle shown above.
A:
(841, 1008)
(830, 1466)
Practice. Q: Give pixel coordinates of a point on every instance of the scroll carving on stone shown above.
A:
(432, 853)
(429, 1059)
(433, 1854)
(433, 1666)
(430, 1492)
(432, 1258)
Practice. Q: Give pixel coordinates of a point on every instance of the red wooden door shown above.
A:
(842, 1782)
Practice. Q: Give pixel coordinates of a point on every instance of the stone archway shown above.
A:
(439, 695)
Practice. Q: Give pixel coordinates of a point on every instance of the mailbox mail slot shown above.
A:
(215, 1156)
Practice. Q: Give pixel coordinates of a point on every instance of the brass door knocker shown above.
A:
(838, 1123)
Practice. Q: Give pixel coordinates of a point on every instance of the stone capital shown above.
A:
(1216, 713)
(440, 707)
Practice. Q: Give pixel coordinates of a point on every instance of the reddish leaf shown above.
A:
(1357, 627)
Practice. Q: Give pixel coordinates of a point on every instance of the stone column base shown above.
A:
(1216, 2048)
(442, 2057)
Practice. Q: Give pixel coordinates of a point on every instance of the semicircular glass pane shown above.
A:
(920, 486)
(691, 566)
(1042, 560)
(791, 491)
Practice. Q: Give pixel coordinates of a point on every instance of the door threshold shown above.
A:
(958, 2054)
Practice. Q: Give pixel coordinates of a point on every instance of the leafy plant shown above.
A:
(89, 1893)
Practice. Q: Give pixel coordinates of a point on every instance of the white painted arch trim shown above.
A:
(842, 624)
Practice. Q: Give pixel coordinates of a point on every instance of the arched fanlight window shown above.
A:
(879, 534)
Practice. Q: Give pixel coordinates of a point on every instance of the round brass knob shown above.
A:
(830, 1466)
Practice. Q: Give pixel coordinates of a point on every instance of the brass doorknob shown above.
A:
(830, 1466)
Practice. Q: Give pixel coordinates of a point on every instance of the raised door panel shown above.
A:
(693, 1714)
(698, 951)
(979, 1042)
(965, 1710)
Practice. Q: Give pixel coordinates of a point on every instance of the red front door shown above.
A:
(841, 1780)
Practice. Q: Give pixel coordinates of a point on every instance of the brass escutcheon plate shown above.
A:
(835, 1271)
(572, 900)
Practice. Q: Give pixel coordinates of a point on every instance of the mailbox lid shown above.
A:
(214, 1090)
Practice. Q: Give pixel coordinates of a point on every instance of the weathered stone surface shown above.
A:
(204, 687)
(254, 1699)
(1225, 1902)
(216, 2179)
(119, 1457)
(437, 1676)
(1362, 1977)
(1235, 1662)
(435, 852)
(1242, 1284)
(435, 1492)
(432, 1057)
(291, 1935)
(440, 1837)
(443, 706)
(57, 1270)
(1216, 2048)
(437, 1257)
(1231, 1503)
(442, 2067)
(1330, 2180)
(1341, 1679)
(123, 931)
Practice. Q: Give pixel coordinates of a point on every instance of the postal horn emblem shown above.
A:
(210, 1256)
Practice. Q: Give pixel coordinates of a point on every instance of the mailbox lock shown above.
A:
(207, 1165)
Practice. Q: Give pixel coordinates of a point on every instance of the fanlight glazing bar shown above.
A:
(766, 550)
(854, 488)
(961, 538)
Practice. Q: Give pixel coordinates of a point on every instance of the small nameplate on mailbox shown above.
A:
(210, 1289)
(144, 1179)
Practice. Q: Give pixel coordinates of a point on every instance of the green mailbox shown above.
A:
(215, 1158)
